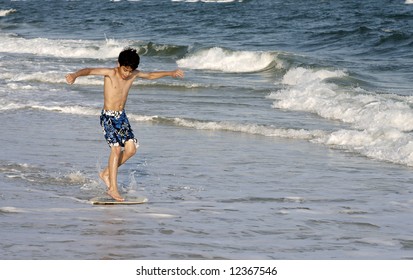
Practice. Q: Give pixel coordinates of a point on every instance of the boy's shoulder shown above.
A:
(112, 71)
(103, 71)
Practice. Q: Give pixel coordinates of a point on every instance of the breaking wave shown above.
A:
(380, 124)
(219, 59)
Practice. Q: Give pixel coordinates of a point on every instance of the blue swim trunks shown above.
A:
(116, 128)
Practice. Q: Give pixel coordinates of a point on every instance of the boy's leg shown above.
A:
(113, 165)
(130, 150)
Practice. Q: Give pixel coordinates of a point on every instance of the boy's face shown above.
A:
(125, 71)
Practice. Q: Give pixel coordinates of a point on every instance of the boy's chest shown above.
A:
(117, 87)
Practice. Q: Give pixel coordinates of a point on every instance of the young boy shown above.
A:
(116, 127)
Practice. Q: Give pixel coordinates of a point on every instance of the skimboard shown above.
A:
(110, 201)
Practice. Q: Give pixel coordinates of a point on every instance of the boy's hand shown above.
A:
(178, 73)
(70, 78)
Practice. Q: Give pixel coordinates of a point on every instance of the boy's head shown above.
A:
(129, 57)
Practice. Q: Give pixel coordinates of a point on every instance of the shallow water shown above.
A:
(223, 196)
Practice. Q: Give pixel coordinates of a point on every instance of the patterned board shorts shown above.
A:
(116, 128)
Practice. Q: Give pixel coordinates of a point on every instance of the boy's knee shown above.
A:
(131, 150)
(116, 150)
(131, 147)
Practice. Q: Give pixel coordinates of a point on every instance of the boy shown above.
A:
(116, 127)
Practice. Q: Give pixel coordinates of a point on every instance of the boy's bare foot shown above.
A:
(112, 193)
(105, 179)
(115, 195)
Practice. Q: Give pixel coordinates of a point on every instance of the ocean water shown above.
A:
(289, 138)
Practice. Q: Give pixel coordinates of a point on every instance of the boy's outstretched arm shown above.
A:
(156, 75)
(71, 77)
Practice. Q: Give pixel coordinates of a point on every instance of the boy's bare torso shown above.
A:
(116, 89)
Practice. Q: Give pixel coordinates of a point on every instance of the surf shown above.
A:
(229, 61)
(107, 48)
(4, 13)
(103, 49)
(380, 125)
(310, 91)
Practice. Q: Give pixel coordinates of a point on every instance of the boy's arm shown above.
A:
(71, 77)
(160, 74)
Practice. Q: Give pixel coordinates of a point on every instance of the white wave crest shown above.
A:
(64, 109)
(4, 13)
(303, 76)
(74, 110)
(389, 145)
(219, 59)
(250, 129)
(10, 106)
(11, 210)
(103, 49)
(44, 77)
(310, 92)
(380, 124)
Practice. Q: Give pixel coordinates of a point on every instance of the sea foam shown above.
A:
(219, 59)
(379, 124)
(309, 90)
(4, 13)
(102, 49)
(73, 110)
(247, 128)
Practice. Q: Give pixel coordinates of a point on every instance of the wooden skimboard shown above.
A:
(110, 201)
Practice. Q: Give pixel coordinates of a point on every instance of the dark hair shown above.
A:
(129, 57)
